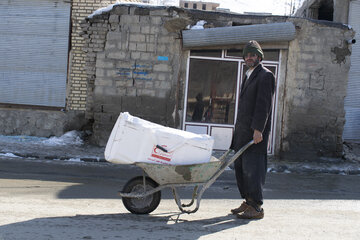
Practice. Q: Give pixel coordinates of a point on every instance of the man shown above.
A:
(253, 122)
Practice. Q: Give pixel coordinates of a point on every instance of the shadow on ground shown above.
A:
(119, 226)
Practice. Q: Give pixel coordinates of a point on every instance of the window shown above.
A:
(186, 5)
(194, 6)
(213, 83)
(206, 53)
(211, 91)
(204, 7)
(269, 55)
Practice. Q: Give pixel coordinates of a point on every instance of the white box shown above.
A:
(136, 140)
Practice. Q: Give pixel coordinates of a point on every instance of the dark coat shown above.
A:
(254, 110)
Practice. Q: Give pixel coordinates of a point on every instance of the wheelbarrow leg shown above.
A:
(193, 198)
(178, 201)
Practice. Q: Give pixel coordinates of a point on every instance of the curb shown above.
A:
(53, 157)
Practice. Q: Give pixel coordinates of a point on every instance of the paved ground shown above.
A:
(53, 199)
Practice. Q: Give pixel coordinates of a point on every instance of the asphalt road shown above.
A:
(69, 200)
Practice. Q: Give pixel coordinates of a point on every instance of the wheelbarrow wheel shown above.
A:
(145, 204)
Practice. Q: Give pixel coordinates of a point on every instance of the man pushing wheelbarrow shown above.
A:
(174, 158)
(253, 122)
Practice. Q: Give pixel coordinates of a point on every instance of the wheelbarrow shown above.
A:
(142, 194)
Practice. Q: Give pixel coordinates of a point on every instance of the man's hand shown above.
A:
(257, 136)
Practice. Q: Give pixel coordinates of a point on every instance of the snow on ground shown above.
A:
(70, 148)
(69, 138)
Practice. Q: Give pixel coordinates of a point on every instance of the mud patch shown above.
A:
(184, 172)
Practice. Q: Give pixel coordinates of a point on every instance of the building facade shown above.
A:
(347, 12)
(144, 67)
(206, 6)
(133, 58)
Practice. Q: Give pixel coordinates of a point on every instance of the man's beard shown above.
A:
(252, 64)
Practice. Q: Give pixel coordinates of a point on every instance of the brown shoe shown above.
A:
(240, 209)
(251, 213)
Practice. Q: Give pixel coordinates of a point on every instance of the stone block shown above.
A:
(109, 91)
(162, 85)
(150, 47)
(120, 10)
(132, 46)
(104, 63)
(135, 55)
(103, 82)
(154, 30)
(110, 45)
(113, 36)
(111, 72)
(141, 47)
(129, 19)
(150, 38)
(117, 55)
(124, 83)
(124, 66)
(145, 29)
(146, 56)
(159, 12)
(137, 38)
(144, 19)
(142, 11)
(135, 28)
(114, 18)
(131, 91)
(100, 72)
(162, 68)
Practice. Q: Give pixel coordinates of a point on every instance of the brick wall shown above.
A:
(78, 85)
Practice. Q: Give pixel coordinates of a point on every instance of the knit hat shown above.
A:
(253, 47)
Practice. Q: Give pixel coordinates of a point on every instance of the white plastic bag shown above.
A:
(136, 140)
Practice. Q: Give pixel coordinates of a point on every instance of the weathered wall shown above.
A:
(316, 82)
(42, 123)
(135, 62)
(77, 89)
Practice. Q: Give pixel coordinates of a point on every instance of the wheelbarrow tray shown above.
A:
(180, 174)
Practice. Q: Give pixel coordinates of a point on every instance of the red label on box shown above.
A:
(158, 154)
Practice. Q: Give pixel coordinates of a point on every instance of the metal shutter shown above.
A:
(352, 100)
(34, 37)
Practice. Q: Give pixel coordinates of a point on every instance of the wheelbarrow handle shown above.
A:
(242, 150)
(238, 153)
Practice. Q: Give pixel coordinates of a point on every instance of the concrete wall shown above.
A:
(316, 82)
(41, 123)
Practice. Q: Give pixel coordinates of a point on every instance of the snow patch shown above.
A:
(74, 160)
(8, 155)
(69, 138)
(199, 25)
(110, 7)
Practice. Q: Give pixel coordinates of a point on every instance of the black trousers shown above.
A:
(250, 172)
